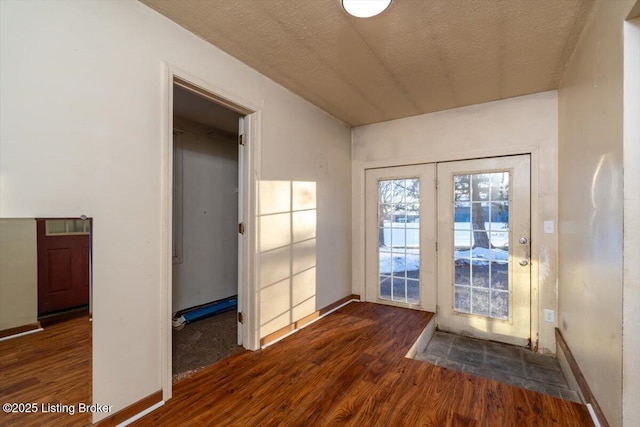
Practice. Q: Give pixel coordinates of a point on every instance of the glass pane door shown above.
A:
(484, 283)
(399, 239)
(400, 236)
(480, 210)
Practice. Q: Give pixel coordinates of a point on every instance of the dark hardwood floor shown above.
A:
(48, 367)
(349, 368)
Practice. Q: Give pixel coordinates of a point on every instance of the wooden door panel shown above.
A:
(59, 269)
(63, 270)
(81, 275)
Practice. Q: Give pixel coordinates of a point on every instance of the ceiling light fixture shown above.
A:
(365, 8)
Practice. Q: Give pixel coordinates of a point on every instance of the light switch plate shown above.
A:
(549, 316)
(548, 227)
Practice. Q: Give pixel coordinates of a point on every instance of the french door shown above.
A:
(478, 281)
(401, 236)
(484, 283)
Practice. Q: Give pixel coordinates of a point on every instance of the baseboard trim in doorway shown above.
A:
(62, 316)
(282, 333)
(575, 376)
(18, 331)
(134, 411)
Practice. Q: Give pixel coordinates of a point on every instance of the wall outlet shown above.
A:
(549, 316)
(548, 227)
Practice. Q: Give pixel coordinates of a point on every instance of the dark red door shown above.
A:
(63, 265)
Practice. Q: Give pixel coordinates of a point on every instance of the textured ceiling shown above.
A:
(418, 56)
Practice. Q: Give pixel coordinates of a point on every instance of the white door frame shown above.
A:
(247, 299)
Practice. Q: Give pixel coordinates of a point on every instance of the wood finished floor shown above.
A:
(48, 367)
(349, 368)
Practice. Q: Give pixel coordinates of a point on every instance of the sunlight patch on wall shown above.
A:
(287, 224)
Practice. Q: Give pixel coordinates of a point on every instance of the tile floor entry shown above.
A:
(505, 363)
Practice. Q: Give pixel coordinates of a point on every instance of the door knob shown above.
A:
(524, 262)
(523, 240)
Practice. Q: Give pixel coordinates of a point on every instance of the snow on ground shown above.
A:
(401, 234)
(463, 238)
(481, 256)
(411, 261)
(499, 234)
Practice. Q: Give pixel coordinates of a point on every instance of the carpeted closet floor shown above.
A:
(204, 342)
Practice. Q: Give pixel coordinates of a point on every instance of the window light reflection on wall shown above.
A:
(365, 8)
(287, 237)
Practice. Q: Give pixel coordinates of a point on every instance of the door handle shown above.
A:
(525, 241)
(524, 262)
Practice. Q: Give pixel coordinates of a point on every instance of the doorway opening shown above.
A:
(206, 205)
(64, 268)
(454, 238)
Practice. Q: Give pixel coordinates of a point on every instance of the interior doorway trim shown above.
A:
(247, 193)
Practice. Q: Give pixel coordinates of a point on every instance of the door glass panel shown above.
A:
(463, 190)
(463, 299)
(481, 244)
(65, 227)
(481, 274)
(385, 287)
(499, 304)
(413, 291)
(399, 266)
(480, 301)
(77, 226)
(56, 226)
(399, 240)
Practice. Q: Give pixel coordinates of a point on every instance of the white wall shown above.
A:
(209, 267)
(631, 293)
(304, 237)
(526, 124)
(591, 204)
(18, 273)
(81, 132)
